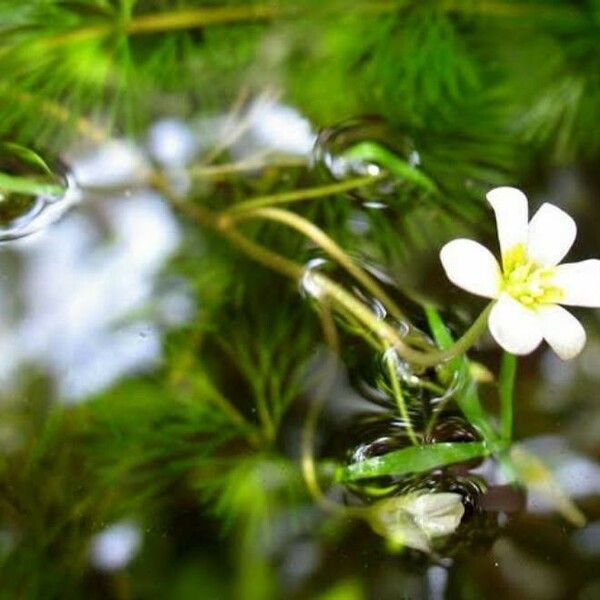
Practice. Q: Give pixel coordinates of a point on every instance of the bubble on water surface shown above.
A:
(32, 193)
(369, 147)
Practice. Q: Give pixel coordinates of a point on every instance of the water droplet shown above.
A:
(403, 369)
(32, 194)
(368, 146)
(307, 284)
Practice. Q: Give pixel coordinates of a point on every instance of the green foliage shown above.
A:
(443, 71)
(208, 434)
(414, 459)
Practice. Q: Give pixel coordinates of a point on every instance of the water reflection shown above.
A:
(88, 309)
(113, 548)
(33, 194)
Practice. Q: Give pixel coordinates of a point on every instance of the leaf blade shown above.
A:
(415, 459)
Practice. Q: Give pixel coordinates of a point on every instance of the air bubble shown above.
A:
(32, 194)
(368, 146)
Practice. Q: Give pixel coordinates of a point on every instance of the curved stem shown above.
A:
(167, 21)
(388, 334)
(467, 339)
(372, 151)
(322, 240)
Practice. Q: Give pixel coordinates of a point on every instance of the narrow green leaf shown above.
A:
(28, 156)
(22, 185)
(415, 459)
(370, 151)
(468, 398)
(441, 334)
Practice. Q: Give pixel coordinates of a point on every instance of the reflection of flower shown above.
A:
(415, 519)
(531, 284)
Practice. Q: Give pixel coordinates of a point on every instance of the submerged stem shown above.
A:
(399, 397)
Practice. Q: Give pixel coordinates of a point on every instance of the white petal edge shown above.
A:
(471, 266)
(516, 328)
(579, 282)
(510, 207)
(562, 331)
(551, 234)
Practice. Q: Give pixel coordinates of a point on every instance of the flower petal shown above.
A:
(516, 328)
(551, 234)
(471, 266)
(510, 207)
(436, 514)
(562, 331)
(579, 282)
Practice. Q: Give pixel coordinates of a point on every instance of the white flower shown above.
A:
(531, 284)
(415, 519)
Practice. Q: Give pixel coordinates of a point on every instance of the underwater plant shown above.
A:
(231, 365)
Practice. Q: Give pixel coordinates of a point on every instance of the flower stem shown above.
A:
(506, 384)
(387, 333)
(336, 293)
(468, 338)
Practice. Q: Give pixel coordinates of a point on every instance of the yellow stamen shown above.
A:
(526, 281)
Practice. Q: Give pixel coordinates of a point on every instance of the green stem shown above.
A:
(167, 21)
(388, 334)
(300, 195)
(322, 240)
(371, 151)
(506, 384)
(399, 396)
(467, 397)
(468, 338)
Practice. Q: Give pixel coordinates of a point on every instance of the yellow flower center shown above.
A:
(526, 281)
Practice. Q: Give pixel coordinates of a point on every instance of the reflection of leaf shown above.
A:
(414, 459)
(415, 519)
(534, 474)
(22, 185)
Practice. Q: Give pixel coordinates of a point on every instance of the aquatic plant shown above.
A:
(317, 156)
